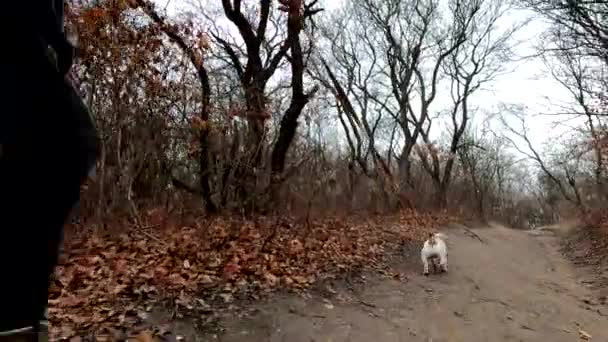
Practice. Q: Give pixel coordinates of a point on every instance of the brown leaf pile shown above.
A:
(595, 233)
(587, 246)
(113, 281)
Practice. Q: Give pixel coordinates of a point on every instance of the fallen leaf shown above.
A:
(205, 279)
(231, 269)
(271, 278)
(227, 297)
(119, 288)
(145, 336)
(331, 290)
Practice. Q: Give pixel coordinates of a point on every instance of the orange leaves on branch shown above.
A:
(198, 58)
(198, 127)
(153, 44)
(203, 41)
(199, 124)
(95, 14)
(102, 14)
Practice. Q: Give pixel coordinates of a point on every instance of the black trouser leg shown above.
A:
(37, 195)
(34, 207)
(47, 149)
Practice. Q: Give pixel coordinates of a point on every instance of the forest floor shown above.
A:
(503, 285)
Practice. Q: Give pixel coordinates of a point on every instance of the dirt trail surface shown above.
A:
(503, 285)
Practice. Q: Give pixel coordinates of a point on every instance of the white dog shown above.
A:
(435, 248)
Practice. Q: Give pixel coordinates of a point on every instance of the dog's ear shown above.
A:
(431, 234)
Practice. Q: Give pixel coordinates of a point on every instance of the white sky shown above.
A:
(529, 83)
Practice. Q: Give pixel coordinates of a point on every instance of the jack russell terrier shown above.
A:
(433, 250)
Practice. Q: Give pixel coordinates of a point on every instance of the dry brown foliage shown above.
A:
(111, 281)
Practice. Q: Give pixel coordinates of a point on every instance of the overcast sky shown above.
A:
(529, 83)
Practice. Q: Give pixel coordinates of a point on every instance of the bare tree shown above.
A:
(485, 162)
(478, 60)
(413, 44)
(349, 76)
(575, 50)
(567, 187)
(194, 52)
(578, 26)
(263, 59)
(388, 61)
(389, 54)
(248, 91)
(585, 82)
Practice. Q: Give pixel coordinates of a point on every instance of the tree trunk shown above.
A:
(204, 172)
(256, 111)
(287, 132)
(405, 167)
(442, 197)
(204, 141)
(289, 123)
(299, 99)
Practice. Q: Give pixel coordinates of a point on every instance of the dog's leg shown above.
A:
(425, 262)
(444, 263)
(435, 265)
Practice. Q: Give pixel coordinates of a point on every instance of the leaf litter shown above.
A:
(110, 283)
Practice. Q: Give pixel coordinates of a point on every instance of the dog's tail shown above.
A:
(441, 236)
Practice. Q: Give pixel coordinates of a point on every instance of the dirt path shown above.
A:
(513, 286)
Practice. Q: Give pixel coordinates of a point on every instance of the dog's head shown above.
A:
(431, 239)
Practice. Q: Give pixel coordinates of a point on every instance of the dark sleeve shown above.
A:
(49, 15)
(44, 17)
(36, 20)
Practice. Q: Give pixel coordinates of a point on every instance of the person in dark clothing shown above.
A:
(48, 145)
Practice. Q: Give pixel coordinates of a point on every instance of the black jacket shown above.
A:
(54, 34)
(40, 19)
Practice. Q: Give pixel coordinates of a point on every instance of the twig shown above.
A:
(150, 226)
(154, 238)
(150, 235)
(270, 237)
(366, 303)
(295, 311)
(492, 300)
(474, 234)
